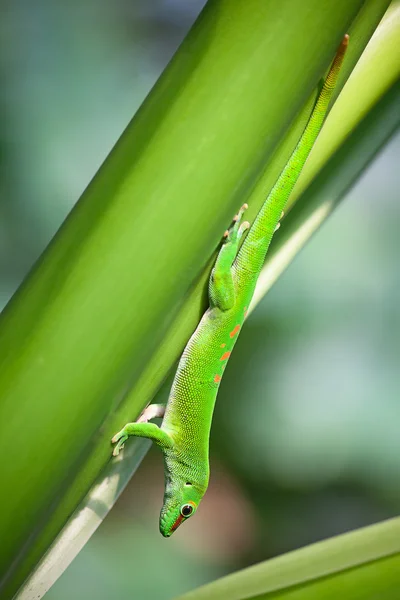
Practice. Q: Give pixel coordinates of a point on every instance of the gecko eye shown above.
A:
(186, 510)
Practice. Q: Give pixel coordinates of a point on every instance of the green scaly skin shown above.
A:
(185, 430)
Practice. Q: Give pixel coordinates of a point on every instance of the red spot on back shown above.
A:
(225, 356)
(217, 378)
(223, 345)
(234, 331)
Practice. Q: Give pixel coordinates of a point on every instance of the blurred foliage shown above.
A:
(329, 330)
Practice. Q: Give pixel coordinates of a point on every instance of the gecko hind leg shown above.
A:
(221, 287)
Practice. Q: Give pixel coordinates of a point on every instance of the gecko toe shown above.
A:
(120, 439)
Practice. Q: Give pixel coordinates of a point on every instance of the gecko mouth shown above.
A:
(177, 523)
(168, 531)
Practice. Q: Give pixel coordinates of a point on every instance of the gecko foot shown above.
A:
(235, 232)
(239, 215)
(119, 439)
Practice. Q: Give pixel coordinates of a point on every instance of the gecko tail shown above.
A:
(259, 237)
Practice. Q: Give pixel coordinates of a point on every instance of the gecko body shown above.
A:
(185, 430)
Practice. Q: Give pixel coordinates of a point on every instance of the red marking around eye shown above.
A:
(177, 522)
(225, 356)
(234, 331)
(217, 378)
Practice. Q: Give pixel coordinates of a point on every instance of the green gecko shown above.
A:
(184, 433)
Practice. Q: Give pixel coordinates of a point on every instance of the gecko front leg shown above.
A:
(150, 431)
(140, 429)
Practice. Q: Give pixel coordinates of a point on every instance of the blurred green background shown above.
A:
(305, 440)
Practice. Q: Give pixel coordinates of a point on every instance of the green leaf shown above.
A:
(363, 564)
(110, 304)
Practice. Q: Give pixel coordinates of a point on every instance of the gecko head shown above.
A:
(180, 503)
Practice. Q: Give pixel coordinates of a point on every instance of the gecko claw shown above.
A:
(277, 227)
(243, 227)
(235, 232)
(119, 446)
(117, 449)
(119, 439)
(116, 437)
